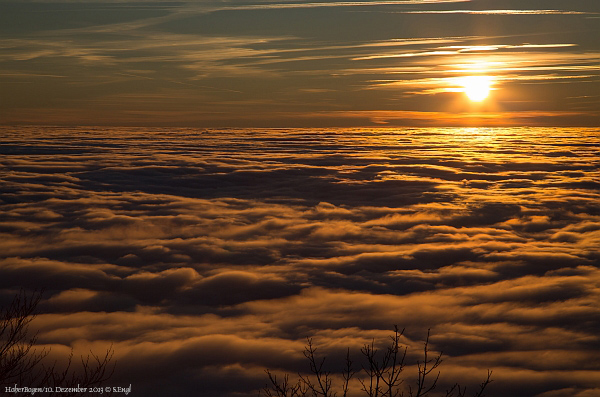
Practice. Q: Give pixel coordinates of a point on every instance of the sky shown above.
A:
(299, 63)
(204, 257)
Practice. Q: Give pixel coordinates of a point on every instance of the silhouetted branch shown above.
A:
(322, 387)
(381, 374)
(347, 374)
(21, 363)
(484, 384)
(461, 391)
(283, 389)
(18, 358)
(372, 371)
(425, 369)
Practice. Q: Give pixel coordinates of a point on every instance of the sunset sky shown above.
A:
(299, 63)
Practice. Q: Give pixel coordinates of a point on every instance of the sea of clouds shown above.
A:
(206, 256)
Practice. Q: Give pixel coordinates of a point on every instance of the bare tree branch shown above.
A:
(21, 363)
(322, 387)
(347, 374)
(484, 384)
(381, 374)
(283, 389)
(426, 367)
(18, 358)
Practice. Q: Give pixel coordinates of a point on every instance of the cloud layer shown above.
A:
(206, 256)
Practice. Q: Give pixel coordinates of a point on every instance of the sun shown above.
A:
(476, 88)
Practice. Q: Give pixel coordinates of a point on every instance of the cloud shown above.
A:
(216, 252)
(500, 12)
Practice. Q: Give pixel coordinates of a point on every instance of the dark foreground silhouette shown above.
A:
(379, 376)
(23, 366)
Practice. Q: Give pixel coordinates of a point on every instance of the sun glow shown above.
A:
(476, 88)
